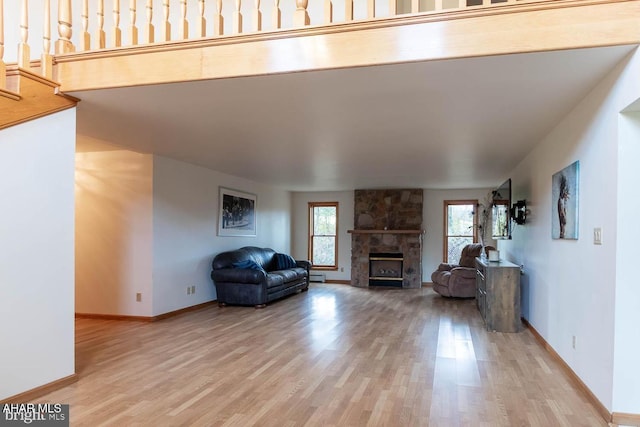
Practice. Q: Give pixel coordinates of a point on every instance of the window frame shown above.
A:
(445, 221)
(311, 235)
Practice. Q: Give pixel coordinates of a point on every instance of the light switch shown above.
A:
(597, 236)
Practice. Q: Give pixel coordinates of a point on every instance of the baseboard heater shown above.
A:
(317, 277)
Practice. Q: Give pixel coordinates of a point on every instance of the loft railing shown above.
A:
(105, 24)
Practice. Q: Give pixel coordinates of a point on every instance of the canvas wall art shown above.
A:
(237, 215)
(564, 203)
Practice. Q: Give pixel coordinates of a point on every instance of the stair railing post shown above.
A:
(46, 61)
(218, 20)
(257, 17)
(85, 42)
(301, 16)
(100, 35)
(148, 28)
(133, 15)
(237, 18)
(166, 27)
(24, 55)
(328, 12)
(63, 44)
(184, 24)
(276, 17)
(202, 21)
(116, 34)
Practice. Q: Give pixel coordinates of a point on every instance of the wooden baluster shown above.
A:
(348, 10)
(218, 20)
(237, 18)
(371, 9)
(437, 5)
(85, 42)
(393, 8)
(100, 35)
(276, 17)
(3, 67)
(328, 11)
(63, 44)
(166, 28)
(184, 24)
(202, 22)
(116, 34)
(301, 16)
(148, 28)
(257, 17)
(415, 6)
(24, 56)
(46, 60)
(133, 30)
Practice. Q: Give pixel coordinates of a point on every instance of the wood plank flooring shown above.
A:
(334, 356)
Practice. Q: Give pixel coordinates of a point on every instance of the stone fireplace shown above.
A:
(386, 243)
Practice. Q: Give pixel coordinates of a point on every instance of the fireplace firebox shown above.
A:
(385, 269)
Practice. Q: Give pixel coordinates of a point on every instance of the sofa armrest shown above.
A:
(239, 275)
(464, 272)
(304, 264)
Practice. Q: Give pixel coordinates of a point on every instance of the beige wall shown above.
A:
(114, 191)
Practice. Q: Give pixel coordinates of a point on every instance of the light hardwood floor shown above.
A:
(333, 356)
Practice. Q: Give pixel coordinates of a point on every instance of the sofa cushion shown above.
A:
(274, 280)
(284, 261)
(289, 275)
(247, 263)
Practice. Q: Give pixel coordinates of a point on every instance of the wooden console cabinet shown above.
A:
(498, 295)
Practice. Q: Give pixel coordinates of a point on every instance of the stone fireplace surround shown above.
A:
(387, 221)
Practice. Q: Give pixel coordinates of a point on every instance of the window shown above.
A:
(323, 235)
(460, 226)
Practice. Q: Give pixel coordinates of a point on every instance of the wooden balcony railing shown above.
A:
(166, 20)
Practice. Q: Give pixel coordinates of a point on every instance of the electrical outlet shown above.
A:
(138, 297)
(193, 289)
(573, 342)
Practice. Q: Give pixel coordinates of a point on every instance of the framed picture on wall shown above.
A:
(564, 203)
(237, 216)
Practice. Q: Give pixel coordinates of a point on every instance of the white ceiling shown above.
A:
(463, 123)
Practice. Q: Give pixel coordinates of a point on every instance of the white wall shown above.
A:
(185, 224)
(114, 232)
(626, 374)
(433, 223)
(569, 288)
(148, 224)
(300, 223)
(36, 255)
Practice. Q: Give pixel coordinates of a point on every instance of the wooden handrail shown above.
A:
(322, 10)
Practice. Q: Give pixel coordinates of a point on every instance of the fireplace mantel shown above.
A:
(386, 231)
